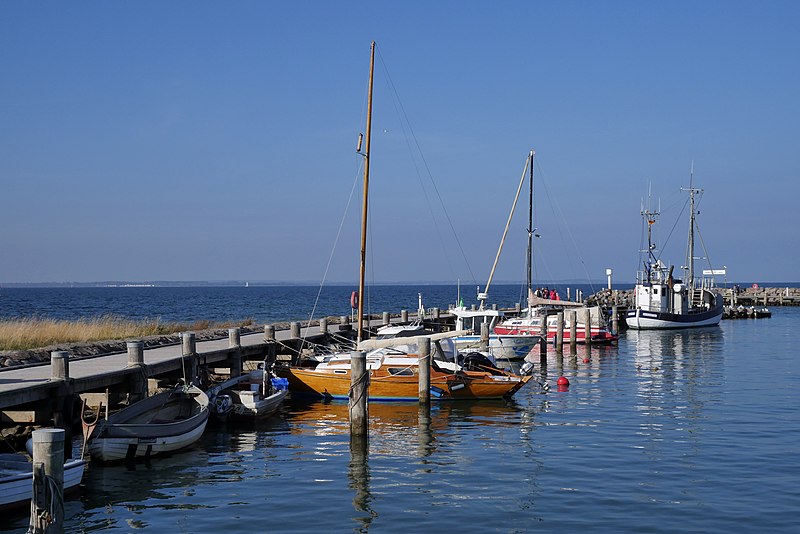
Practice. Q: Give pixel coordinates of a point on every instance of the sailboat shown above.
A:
(662, 301)
(394, 370)
(541, 309)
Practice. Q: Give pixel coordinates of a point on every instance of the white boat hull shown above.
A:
(17, 489)
(112, 449)
(644, 320)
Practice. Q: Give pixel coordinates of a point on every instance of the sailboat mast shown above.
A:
(364, 205)
(690, 252)
(530, 227)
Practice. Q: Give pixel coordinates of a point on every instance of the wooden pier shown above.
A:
(43, 394)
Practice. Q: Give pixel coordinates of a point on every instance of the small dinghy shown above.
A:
(16, 478)
(248, 396)
(162, 423)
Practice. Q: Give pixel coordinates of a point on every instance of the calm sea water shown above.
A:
(690, 431)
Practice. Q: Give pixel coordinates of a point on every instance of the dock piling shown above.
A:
(359, 393)
(425, 370)
(404, 316)
(560, 331)
(138, 381)
(484, 344)
(189, 351)
(573, 331)
(47, 504)
(587, 327)
(385, 319)
(323, 326)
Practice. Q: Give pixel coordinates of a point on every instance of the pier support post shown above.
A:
(543, 334)
(517, 308)
(272, 346)
(484, 336)
(63, 397)
(385, 319)
(587, 328)
(615, 319)
(404, 316)
(572, 318)
(235, 343)
(189, 351)
(138, 380)
(425, 370)
(47, 504)
(344, 323)
(494, 306)
(436, 314)
(323, 326)
(560, 331)
(359, 393)
(295, 330)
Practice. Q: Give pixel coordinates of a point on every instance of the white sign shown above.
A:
(714, 272)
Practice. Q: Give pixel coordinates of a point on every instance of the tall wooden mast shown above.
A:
(530, 228)
(364, 206)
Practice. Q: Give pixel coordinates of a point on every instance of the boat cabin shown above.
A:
(472, 319)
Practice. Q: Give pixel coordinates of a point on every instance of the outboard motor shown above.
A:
(475, 361)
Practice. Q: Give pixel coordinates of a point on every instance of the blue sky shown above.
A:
(216, 141)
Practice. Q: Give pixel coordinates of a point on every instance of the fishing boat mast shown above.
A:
(692, 213)
(364, 205)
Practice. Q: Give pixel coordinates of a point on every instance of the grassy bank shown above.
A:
(32, 333)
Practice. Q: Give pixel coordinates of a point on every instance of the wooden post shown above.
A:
(385, 319)
(359, 393)
(47, 504)
(425, 370)
(404, 316)
(543, 334)
(560, 331)
(484, 336)
(272, 346)
(587, 328)
(63, 398)
(235, 343)
(138, 380)
(344, 323)
(323, 326)
(295, 330)
(494, 306)
(517, 308)
(59, 365)
(189, 351)
(573, 331)
(615, 319)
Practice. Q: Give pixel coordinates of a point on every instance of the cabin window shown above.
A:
(339, 372)
(655, 291)
(401, 371)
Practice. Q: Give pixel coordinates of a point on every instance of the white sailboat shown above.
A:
(664, 302)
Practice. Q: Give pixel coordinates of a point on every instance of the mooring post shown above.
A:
(587, 328)
(404, 316)
(572, 318)
(424, 345)
(272, 346)
(235, 346)
(517, 308)
(494, 306)
(47, 504)
(359, 393)
(189, 351)
(543, 335)
(323, 326)
(385, 319)
(62, 403)
(344, 323)
(484, 336)
(615, 319)
(138, 380)
(560, 331)
(295, 330)
(436, 314)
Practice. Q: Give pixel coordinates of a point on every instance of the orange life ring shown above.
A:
(354, 299)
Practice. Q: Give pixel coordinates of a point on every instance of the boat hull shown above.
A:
(246, 403)
(17, 489)
(142, 430)
(307, 382)
(646, 320)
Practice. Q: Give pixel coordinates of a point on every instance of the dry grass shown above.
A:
(31, 333)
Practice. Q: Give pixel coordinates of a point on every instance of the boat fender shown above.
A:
(354, 300)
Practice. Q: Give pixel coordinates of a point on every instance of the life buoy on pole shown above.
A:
(354, 300)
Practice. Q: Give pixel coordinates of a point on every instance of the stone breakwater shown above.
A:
(746, 296)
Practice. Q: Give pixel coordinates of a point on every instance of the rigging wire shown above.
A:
(425, 164)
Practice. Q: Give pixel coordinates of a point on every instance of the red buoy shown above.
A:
(586, 360)
(563, 381)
